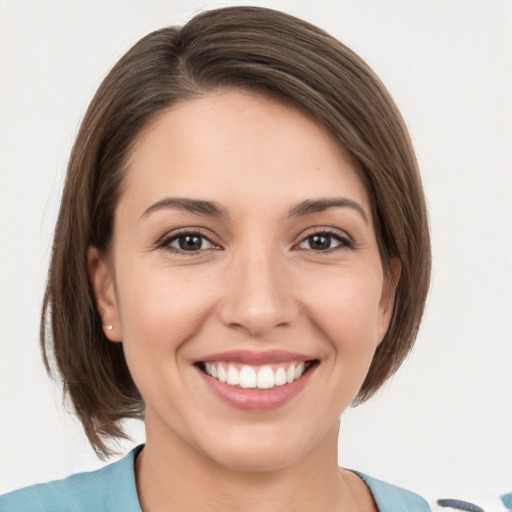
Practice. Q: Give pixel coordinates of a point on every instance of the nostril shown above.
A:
(256, 320)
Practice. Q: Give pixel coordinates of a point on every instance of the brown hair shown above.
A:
(243, 47)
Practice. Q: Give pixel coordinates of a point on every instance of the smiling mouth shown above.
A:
(246, 376)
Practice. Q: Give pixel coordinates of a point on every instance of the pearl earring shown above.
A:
(109, 327)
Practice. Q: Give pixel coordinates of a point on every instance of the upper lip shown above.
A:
(255, 358)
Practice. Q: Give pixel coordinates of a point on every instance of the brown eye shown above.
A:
(189, 242)
(320, 242)
(324, 241)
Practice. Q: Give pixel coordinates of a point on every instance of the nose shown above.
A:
(258, 296)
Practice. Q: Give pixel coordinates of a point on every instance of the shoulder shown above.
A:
(104, 490)
(390, 498)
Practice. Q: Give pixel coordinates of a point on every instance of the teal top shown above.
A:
(112, 488)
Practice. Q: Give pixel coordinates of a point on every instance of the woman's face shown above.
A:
(244, 280)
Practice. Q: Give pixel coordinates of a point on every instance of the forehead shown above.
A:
(238, 145)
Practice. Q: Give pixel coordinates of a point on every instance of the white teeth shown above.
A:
(290, 374)
(265, 378)
(247, 377)
(280, 377)
(233, 376)
(222, 376)
(260, 377)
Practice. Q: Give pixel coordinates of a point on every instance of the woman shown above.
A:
(242, 252)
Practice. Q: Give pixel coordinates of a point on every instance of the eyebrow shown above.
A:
(310, 206)
(201, 207)
(213, 209)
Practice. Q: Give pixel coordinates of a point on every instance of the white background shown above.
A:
(443, 425)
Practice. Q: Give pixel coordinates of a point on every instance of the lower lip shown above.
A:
(257, 400)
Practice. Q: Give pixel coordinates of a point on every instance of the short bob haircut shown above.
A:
(255, 49)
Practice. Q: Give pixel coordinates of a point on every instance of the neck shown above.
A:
(173, 477)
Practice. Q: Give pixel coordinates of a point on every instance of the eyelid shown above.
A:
(346, 241)
(164, 241)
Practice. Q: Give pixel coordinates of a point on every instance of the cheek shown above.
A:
(346, 308)
(160, 309)
(159, 314)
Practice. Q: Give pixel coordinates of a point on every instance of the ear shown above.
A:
(102, 281)
(387, 300)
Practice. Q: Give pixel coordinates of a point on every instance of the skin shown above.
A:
(256, 283)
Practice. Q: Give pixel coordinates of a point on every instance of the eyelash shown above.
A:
(165, 243)
(344, 241)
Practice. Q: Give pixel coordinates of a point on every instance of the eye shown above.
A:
(325, 241)
(187, 242)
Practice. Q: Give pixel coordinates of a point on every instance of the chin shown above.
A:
(260, 450)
